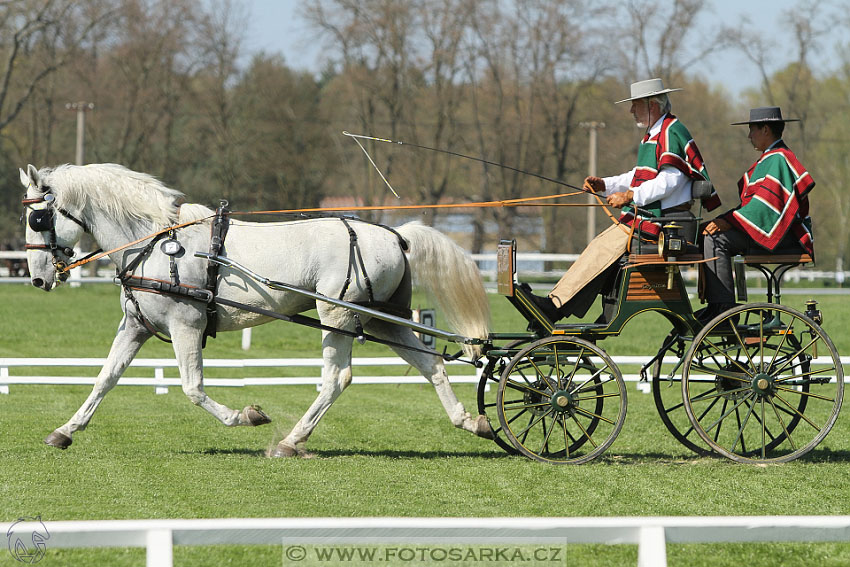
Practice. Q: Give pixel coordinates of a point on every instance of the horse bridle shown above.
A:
(44, 220)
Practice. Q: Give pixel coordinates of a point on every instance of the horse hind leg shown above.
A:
(126, 344)
(432, 368)
(336, 377)
(188, 350)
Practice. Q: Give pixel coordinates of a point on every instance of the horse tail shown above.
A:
(451, 278)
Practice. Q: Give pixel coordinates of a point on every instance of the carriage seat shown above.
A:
(646, 259)
(773, 266)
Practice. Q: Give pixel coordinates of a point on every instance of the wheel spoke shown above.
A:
(717, 394)
(724, 415)
(545, 448)
(566, 396)
(722, 353)
(593, 415)
(802, 393)
(743, 346)
(741, 427)
(566, 435)
(804, 374)
(782, 423)
(798, 413)
(583, 430)
(796, 354)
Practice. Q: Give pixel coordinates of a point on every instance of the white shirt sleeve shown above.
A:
(668, 182)
(618, 183)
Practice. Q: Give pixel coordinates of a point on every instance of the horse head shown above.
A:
(51, 231)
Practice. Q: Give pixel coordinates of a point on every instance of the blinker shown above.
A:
(41, 220)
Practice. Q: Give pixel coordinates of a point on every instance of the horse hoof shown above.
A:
(284, 451)
(483, 429)
(58, 440)
(256, 416)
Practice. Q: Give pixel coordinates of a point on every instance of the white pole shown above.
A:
(246, 338)
(80, 108)
(591, 171)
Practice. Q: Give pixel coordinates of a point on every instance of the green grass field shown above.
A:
(381, 451)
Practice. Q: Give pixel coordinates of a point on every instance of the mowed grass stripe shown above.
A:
(381, 450)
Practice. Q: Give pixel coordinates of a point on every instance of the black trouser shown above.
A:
(719, 283)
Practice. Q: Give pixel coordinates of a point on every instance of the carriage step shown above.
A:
(580, 326)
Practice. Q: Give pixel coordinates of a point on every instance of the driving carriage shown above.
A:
(759, 383)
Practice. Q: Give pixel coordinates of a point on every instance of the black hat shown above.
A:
(766, 114)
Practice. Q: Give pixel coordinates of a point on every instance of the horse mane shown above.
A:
(123, 193)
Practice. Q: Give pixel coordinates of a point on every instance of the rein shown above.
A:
(519, 202)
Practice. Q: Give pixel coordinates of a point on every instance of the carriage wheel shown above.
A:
(487, 396)
(667, 394)
(750, 387)
(561, 400)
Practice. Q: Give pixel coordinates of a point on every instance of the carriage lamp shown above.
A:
(170, 247)
(671, 243)
(813, 313)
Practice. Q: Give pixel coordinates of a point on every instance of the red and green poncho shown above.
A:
(774, 199)
(671, 146)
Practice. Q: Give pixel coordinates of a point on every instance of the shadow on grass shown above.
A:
(401, 454)
(232, 451)
(334, 453)
(814, 456)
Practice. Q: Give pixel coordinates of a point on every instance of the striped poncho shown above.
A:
(673, 146)
(774, 199)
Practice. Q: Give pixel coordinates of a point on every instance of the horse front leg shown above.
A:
(126, 344)
(187, 343)
(336, 376)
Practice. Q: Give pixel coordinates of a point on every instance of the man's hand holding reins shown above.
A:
(620, 200)
(593, 185)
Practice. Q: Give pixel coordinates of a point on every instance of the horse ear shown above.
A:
(33, 175)
(25, 180)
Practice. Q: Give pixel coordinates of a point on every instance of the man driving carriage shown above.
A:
(660, 184)
(773, 217)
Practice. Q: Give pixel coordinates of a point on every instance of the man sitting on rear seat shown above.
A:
(773, 217)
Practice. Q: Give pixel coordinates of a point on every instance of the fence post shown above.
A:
(160, 547)
(652, 547)
(159, 374)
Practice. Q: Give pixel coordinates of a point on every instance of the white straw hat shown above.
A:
(646, 89)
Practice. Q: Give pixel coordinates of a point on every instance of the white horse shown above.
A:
(118, 206)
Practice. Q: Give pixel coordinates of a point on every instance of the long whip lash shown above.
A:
(478, 159)
(372, 162)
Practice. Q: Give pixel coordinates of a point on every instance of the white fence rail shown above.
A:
(161, 383)
(528, 264)
(10, 368)
(650, 534)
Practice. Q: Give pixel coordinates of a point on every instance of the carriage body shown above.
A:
(760, 383)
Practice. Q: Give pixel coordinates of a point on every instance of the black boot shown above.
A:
(547, 306)
(711, 311)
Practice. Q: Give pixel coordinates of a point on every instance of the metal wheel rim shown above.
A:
(779, 370)
(543, 375)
